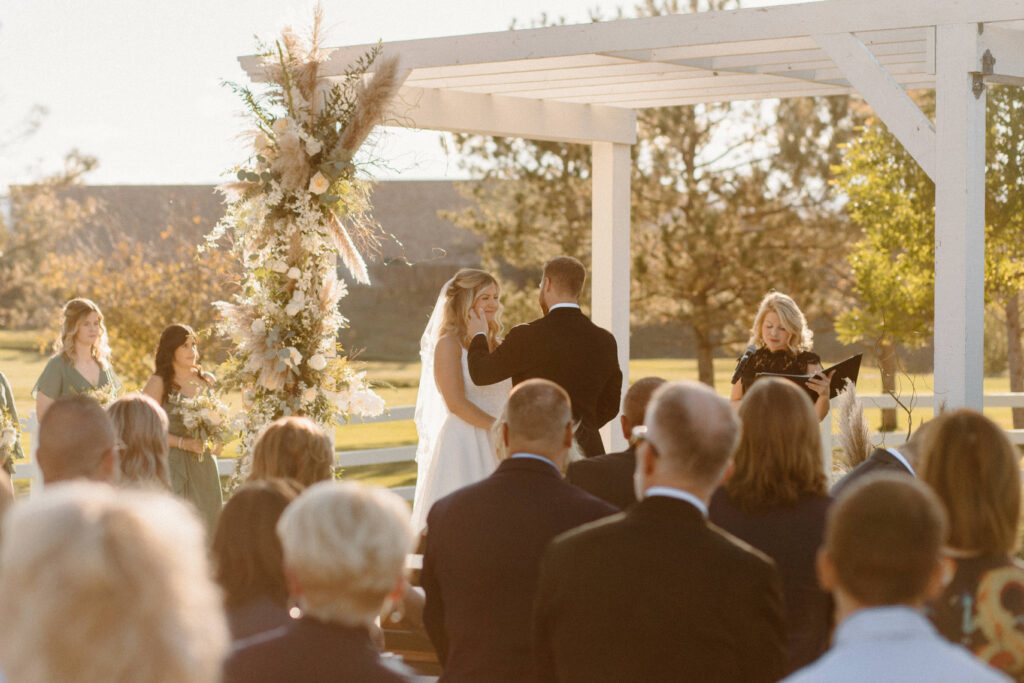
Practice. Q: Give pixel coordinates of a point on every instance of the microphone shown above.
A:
(742, 364)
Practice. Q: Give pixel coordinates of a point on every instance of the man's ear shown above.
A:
(729, 469)
(504, 433)
(567, 441)
(110, 465)
(627, 429)
(937, 580)
(292, 582)
(826, 568)
(646, 460)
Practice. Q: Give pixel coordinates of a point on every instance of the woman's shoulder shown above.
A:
(449, 344)
(56, 362)
(808, 357)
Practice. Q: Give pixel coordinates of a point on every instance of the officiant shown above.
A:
(780, 343)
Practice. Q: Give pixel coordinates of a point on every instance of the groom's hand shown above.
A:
(477, 322)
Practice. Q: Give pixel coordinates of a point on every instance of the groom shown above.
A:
(563, 346)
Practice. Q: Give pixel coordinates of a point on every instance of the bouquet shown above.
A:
(206, 418)
(9, 433)
(104, 395)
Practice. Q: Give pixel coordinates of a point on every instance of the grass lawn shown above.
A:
(21, 362)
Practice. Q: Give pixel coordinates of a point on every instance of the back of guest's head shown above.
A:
(345, 546)
(567, 275)
(77, 441)
(293, 448)
(141, 426)
(634, 404)
(693, 429)
(246, 550)
(884, 535)
(537, 412)
(975, 470)
(778, 460)
(108, 585)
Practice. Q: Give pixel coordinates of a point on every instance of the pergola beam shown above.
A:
(887, 97)
(1006, 48)
(464, 112)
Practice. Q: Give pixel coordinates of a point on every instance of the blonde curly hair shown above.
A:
(462, 293)
(72, 315)
(792, 318)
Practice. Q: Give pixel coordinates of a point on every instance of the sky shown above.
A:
(137, 83)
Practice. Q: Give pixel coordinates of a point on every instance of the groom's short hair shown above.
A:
(75, 438)
(566, 274)
(538, 410)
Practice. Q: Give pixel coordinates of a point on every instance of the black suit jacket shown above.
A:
(310, 651)
(608, 476)
(880, 460)
(567, 348)
(484, 544)
(657, 594)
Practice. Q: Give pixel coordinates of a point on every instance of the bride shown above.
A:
(453, 415)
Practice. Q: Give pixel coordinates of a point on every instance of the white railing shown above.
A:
(878, 401)
(380, 456)
(374, 456)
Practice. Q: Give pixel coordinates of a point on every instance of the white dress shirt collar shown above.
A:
(678, 494)
(534, 456)
(899, 456)
(576, 306)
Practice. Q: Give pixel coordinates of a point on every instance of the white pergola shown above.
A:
(583, 83)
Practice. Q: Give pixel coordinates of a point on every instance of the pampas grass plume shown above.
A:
(854, 431)
(371, 106)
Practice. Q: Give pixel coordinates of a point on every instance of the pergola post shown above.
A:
(959, 218)
(609, 270)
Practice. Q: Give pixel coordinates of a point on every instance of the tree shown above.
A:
(728, 201)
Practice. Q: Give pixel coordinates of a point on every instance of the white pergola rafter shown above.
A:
(584, 83)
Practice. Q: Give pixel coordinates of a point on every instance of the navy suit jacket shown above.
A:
(567, 348)
(880, 460)
(608, 476)
(657, 594)
(484, 544)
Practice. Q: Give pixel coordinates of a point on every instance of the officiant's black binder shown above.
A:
(845, 370)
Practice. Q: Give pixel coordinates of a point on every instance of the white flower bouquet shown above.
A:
(104, 395)
(9, 433)
(206, 418)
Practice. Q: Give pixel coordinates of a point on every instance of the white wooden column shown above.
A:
(609, 270)
(959, 219)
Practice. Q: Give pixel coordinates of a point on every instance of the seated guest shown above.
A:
(103, 585)
(882, 559)
(899, 460)
(610, 476)
(141, 426)
(658, 594)
(975, 470)
(77, 441)
(484, 542)
(344, 558)
(293, 448)
(248, 557)
(776, 500)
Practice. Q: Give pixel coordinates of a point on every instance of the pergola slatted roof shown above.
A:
(583, 83)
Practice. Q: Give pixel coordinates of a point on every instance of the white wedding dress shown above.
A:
(453, 453)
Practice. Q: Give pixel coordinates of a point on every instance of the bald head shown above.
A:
(538, 419)
(693, 429)
(76, 441)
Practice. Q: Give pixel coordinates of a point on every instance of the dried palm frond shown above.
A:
(372, 101)
(854, 431)
(291, 163)
(350, 256)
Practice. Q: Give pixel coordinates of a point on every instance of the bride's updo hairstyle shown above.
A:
(74, 312)
(801, 338)
(462, 293)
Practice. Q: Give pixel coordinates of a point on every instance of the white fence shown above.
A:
(380, 456)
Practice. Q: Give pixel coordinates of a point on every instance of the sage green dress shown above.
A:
(193, 478)
(7, 406)
(60, 379)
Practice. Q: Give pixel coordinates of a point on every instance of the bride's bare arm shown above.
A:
(448, 377)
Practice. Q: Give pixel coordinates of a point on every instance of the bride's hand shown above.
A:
(477, 322)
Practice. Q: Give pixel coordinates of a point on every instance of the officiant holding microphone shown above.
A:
(780, 343)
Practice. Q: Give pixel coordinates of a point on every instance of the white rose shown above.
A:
(309, 395)
(279, 266)
(296, 304)
(294, 273)
(313, 147)
(215, 419)
(318, 184)
(258, 326)
(318, 362)
(9, 437)
(282, 125)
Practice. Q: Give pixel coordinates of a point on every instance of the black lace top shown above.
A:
(782, 362)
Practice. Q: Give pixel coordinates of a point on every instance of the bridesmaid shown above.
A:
(82, 362)
(193, 476)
